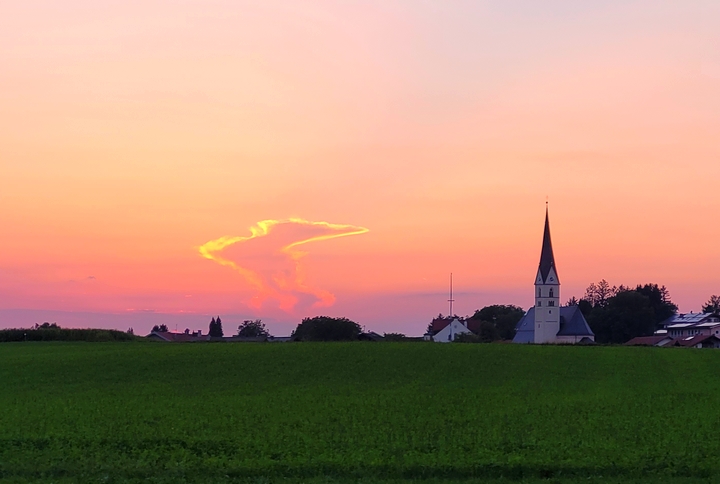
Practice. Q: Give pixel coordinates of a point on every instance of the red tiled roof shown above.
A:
(696, 339)
(438, 324)
(647, 340)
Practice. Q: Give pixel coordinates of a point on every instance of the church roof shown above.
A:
(547, 259)
(572, 323)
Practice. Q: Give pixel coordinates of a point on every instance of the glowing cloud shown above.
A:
(269, 259)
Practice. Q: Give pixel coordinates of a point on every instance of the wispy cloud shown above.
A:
(270, 259)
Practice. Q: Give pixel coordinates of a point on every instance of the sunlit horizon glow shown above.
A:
(134, 132)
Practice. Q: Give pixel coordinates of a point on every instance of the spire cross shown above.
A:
(451, 300)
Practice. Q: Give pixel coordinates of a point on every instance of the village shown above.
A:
(547, 322)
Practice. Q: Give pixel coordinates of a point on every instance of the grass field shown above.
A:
(357, 412)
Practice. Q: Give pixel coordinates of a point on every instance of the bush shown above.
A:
(394, 337)
(325, 328)
(60, 334)
(252, 329)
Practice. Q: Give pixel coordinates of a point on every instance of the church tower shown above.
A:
(547, 292)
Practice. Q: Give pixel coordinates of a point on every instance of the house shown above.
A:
(370, 336)
(547, 322)
(171, 337)
(655, 340)
(450, 330)
(699, 341)
(692, 324)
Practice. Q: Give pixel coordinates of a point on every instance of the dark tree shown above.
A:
(598, 294)
(215, 330)
(585, 307)
(502, 318)
(324, 328)
(713, 305)
(252, 329)
(573, 301)
(160, 329)
(488, 332)
(622, 317)
(659, 301)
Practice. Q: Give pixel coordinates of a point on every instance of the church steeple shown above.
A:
(547, 259)
(547, 292)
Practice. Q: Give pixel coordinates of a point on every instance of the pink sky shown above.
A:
(132, 133)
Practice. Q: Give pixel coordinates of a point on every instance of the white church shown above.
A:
(547, 322)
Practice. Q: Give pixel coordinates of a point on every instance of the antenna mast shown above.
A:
(451, 300)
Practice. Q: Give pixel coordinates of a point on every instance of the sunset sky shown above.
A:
(398, 140)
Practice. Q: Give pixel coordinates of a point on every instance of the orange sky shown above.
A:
(132, 133)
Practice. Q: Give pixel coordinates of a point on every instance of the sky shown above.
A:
(165, 162)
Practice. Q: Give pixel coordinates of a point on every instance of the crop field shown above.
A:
(357, 412)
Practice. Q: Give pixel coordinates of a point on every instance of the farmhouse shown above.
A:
(547, 322)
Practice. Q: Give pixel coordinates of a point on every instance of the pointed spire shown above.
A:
(547, 259)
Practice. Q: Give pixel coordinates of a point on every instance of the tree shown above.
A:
(573, 301)
(487, 332)
(713, 305)
(619, 313)
(160, 329)
(622, 317)
(598, 294)
(502, 318)
(252, 329)
(659, 301)
(325, 328)
(216, 330)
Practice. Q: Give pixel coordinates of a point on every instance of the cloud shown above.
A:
(270, 259)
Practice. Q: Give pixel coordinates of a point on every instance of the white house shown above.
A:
(448, 333)
(547, 322)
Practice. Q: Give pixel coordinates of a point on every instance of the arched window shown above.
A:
(539, 292)
(551, 292)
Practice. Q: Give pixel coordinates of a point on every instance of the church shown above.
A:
(547, 321)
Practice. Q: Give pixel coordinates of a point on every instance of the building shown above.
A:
(444, 330)
(450, 331)
(547, 322)
(656, 340)
(692, 324)
(171, 337)
(699, 341)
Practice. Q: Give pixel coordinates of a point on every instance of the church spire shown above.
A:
(547, 259)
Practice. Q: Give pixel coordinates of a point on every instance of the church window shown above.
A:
(551, 303)
(539, 292)
(539, 303)
(551, 292)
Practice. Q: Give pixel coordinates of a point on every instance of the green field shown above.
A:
(357, 412)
